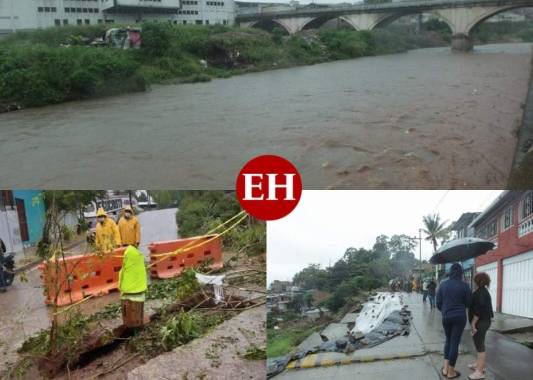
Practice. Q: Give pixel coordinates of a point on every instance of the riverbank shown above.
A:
(372, 121)
(58, 64)
(522, 170)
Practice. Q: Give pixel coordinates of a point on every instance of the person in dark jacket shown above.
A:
(453, 297)
(479, 315)
(432, 286)
(2, 278)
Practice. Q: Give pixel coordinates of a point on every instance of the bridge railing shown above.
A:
(381, 7)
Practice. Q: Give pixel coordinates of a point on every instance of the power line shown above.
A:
(440, 201)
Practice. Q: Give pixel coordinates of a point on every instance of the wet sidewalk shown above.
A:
(419, 355)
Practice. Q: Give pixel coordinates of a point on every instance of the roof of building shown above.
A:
(464, 220)
(502, 199)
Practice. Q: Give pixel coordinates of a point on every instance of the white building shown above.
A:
(17, 15)
(9, 223)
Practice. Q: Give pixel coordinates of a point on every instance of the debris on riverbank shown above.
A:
(522, 171)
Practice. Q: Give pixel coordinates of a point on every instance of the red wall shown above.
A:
(508, 245)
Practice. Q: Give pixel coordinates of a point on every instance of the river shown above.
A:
(428, 118)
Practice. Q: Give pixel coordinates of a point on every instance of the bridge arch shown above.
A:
(267, 25)
(320, 21)
(490, 13)
(388, 19)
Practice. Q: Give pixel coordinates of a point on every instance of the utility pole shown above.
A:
(419, 238)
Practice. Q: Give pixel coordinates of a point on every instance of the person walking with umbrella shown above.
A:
(453, 297)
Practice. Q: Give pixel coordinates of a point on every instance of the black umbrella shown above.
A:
(460, 250)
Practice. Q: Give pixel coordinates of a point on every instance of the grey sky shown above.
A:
(325, 223)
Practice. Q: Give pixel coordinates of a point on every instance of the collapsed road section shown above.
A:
(383, 317)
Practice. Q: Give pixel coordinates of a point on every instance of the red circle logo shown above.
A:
(269, 187)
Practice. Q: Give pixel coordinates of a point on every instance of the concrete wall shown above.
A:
(35, 213)
(509, 243)
(213, 11)
(10, 231)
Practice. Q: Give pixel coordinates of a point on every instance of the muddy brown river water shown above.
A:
(429, 118)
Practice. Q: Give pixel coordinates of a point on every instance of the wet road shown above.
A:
(425, 119)
(23, 311)
(506, 359)
(157, 225)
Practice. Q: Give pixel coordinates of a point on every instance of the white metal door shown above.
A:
(517, 291)
(492, 270)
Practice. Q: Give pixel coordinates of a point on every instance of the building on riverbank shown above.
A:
(16, 15)
(22, 215)
(508, 223)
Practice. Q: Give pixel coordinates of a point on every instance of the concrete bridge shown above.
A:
(462, 16)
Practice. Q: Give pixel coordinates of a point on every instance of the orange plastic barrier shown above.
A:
(195, 253)
(81, 276)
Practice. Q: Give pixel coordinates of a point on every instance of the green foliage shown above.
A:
(201, 211)
(69, 334)
(435, 229)
(156, 38)
(307, 51)
(70, 200)
(36, 75)
(281, 342)
(503, 31)
(255, 353)
(344, 44)
(174, 288)
(68, 233)
(198, 208)
(174, 330)
(165, 198)
(359, 270)
(526, 35)
(179, 330)
(277, 35)
(37, 69)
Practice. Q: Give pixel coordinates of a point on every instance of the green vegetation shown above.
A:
(58, 64)
(360, 270)
(281, 342)
(255, 353)
(503, 31)
(174, 288)
(201, 211)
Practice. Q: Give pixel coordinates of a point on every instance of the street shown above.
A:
(418, 356)
(22, 308)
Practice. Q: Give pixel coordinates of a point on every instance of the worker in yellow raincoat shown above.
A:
(129, 228)
(132, 285)
(107, 234)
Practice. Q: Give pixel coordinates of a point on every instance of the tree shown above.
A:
(435, 229)
(59, 202)
(311, 277)
(403, 258)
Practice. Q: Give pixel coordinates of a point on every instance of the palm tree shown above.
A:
(435, 229)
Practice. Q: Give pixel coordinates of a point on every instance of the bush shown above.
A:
(68, 233)
(39, 75)
(343, 44)
(156, 38)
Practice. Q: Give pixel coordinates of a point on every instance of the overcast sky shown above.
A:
(325, 223)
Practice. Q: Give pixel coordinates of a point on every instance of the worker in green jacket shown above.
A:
(132, 285)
